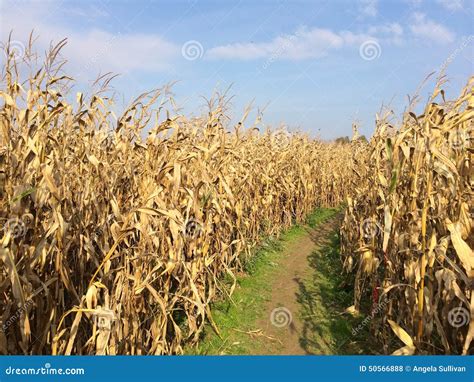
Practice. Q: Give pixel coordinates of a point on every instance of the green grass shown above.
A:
(320, 215)
(323, 297)
(238, 315)
(242, 310)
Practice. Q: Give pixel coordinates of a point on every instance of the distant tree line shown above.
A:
(346, 140)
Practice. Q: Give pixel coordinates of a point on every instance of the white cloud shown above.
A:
(304, 44)
(89, 51)
(87, 10)
(368, 7)
(105, 51)
(425, 28)
(391, 32)
(451, 5)
(414, 3)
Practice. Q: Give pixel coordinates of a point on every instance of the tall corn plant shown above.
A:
(408, 229)
(116, 229)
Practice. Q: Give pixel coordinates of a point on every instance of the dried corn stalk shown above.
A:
(408, 228)
(112, 243)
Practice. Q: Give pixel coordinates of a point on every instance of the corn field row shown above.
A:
(116, 230)
(408, 229)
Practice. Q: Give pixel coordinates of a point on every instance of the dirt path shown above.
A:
(292, 299)
(287, 317)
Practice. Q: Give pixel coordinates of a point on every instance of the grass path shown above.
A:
(291, 299)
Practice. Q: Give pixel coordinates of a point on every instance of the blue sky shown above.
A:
(315, 65)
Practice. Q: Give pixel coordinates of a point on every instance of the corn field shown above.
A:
(408, 229)
(118, 229)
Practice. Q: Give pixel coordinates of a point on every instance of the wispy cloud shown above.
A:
(451, 5)
(307, 43)
(368, 7)
(414, 3)
(303, 44)
(87, 10)
(101, 50)
(93, 50)
(427, 29)
(391, 32)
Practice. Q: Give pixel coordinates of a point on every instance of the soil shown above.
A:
(282, 334)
